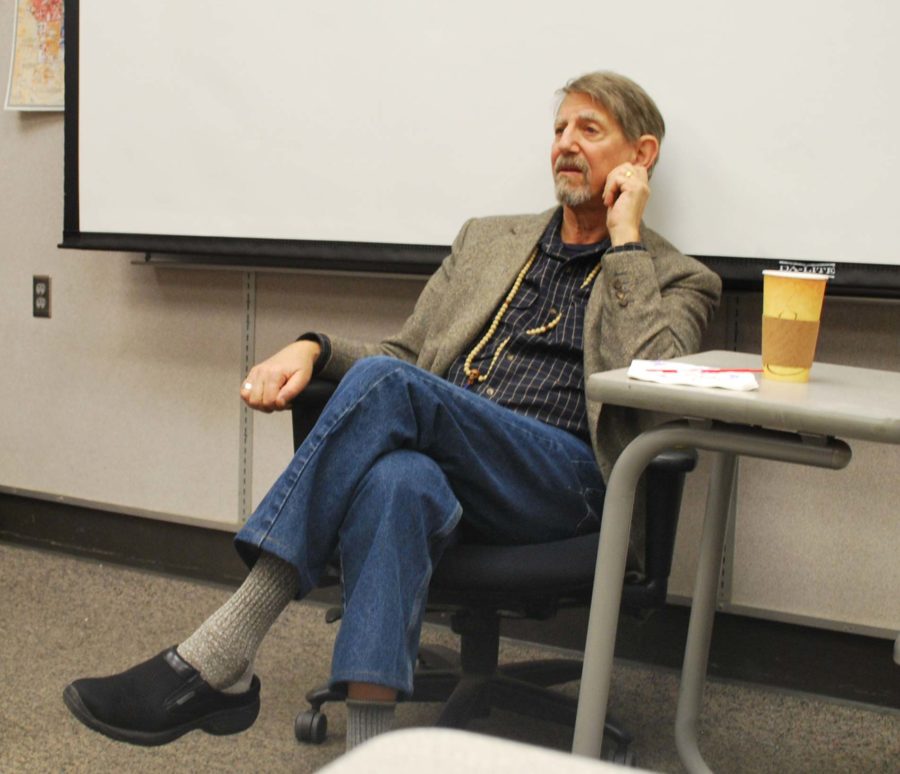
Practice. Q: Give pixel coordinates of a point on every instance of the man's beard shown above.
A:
(569, 193)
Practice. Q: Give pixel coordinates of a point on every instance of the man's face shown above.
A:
(588, 143)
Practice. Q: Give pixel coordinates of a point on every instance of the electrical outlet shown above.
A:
(40, 297)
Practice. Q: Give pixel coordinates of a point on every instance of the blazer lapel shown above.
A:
(505, 256)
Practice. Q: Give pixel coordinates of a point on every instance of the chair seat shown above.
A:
(561, 565)
(534, 579)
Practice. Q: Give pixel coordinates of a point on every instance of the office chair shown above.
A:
(481, 584)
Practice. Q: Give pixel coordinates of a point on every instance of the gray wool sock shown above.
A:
(223, 648)
(366, 719)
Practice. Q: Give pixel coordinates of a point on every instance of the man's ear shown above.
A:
(646, 149)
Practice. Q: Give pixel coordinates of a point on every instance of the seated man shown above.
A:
(475, 412)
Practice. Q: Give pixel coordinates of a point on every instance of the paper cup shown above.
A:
(792, 307)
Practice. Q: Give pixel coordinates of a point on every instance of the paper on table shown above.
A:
(668, 372)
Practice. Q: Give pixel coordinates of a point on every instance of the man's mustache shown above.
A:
(566, 163)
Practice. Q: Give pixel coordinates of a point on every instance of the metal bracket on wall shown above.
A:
(726, 580)
(732, 310)
(248, 355)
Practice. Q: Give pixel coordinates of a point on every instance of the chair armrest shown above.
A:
(308, 405)
(674, 461)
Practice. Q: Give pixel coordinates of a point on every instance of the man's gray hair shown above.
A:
(628, 103)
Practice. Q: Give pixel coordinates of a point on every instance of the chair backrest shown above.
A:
(538, 578)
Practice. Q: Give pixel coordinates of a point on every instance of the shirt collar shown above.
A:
(551, 242)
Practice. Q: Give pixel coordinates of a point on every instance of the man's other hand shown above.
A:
(274, 383)
(625, 197)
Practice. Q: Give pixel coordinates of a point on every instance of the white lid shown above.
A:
(795, 274)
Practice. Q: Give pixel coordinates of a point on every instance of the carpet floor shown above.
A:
(63, 617)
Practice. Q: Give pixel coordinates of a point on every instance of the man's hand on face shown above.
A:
(274, 383)
(625, 196)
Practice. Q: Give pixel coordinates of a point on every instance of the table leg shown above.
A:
(703, 609)
(612, 552)
(603, 621)
(615, 529)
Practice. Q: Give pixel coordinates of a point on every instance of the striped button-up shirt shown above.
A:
(542, 376)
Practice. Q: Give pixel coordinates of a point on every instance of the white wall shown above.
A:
(124, 396)
(810, 545)
(127, 398)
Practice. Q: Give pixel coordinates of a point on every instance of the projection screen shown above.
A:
(361, 135)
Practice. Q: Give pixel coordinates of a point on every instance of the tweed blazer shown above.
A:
(651, 303)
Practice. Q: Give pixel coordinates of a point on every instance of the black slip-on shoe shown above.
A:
(159, 700)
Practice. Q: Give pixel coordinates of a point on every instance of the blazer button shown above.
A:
(623, 301)
(618, 285)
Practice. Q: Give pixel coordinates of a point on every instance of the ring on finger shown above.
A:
(248, 386)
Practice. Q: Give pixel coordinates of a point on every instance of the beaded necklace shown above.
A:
(475, 376)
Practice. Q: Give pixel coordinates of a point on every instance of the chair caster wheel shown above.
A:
(311, 726)
(624, 756)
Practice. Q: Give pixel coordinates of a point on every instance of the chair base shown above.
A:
(472, 689)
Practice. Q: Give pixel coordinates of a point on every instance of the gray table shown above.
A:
(781, 421)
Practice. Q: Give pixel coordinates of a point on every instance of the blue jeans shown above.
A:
(398, 457)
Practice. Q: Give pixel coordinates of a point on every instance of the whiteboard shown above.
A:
(394, 121)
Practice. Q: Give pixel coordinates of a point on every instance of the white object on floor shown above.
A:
(444, 750)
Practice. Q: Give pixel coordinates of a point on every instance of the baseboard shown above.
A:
(181, 549)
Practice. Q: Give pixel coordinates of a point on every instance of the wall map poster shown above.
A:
(36, 75)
